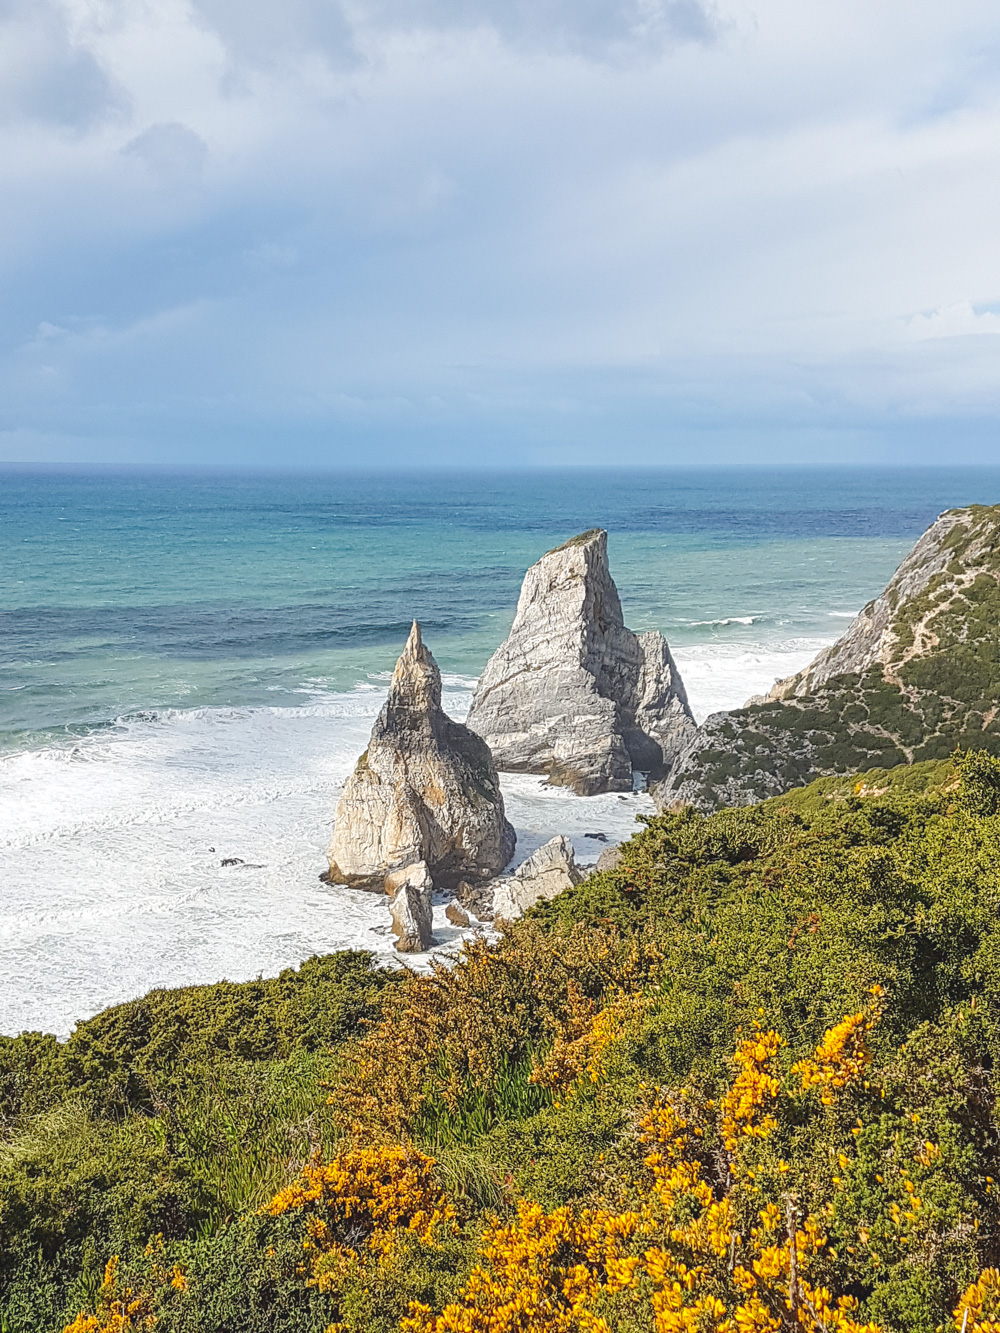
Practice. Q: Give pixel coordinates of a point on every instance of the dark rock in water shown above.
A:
(477, 898)
(597, 837)
(916, 674)
(571, 692)
(426, 789)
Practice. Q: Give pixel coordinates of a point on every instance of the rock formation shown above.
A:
(545, 873)
(475, 898)
(411, 907)
(571, 692)
(609, 857)
(426, 789)
(916, 674)
(457, 915)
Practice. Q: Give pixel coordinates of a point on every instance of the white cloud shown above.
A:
(555, 217)
(265, 32)
(960, 320)
(46, 76)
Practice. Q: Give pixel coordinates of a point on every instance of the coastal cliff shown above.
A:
(574, 694)
(916, 675)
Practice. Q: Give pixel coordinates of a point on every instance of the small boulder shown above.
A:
(411, 909)
(457, 915)
(417, 874)
(609, 858)
(476, 898)
(543, 875)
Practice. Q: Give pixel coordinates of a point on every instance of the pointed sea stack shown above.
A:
(426, 789)
(571, 692)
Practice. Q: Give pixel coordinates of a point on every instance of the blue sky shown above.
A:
(499, 231)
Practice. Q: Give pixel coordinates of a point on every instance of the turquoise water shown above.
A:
(129, 592)
(190, 666)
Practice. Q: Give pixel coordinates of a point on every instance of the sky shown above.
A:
(499, 232)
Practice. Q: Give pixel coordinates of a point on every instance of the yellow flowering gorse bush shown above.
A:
(843, 1055)
(123, 1309)
(979, 1309)
(361, 1201)
(543, 1271)
(547, 1272)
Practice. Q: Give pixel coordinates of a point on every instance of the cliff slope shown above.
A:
(916, 674)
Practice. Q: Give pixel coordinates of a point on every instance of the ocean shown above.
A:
(190, 664)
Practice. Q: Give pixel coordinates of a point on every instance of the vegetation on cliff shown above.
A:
(742, 1082)
(916, 675)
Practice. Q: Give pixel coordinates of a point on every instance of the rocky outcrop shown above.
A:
(609, 857)
(426, 789)
(916, 674)
(545, 873)
(411, 908)
(885, 629)
(571, 692)
(476, 898)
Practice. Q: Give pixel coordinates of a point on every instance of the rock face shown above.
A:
(411, 908)
(475, 898)
(426, 789)
(609, 858)
(916, 674)
(544, 874)
(457, 915)
(571, 692)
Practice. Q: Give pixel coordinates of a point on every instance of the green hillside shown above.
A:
(744, 1081)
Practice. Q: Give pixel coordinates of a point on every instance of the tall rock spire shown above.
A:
(571, 692)
(426, 789)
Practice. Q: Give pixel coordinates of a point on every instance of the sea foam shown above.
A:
(113, 844)
(724, 675)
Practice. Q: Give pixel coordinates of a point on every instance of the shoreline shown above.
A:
(113, 843)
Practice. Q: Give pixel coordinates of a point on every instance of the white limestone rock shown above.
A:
(411, 907)
(544, 874)
(426, 789)
(571, 692)
(417, 875)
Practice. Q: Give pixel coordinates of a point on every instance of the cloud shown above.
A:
(173, 153)
(266, 32)
(45, 75)
(427, 230)
(595, 28)
(960, 320)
